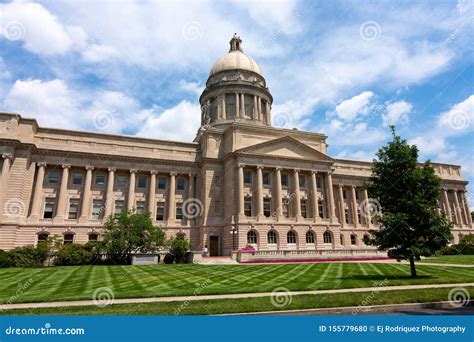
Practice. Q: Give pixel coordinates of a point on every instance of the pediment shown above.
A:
(286, 147)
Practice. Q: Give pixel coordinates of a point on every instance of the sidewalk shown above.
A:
(226, 296)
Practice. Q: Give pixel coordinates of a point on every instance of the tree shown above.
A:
(410, 225)
(179, 246)
(130, 233)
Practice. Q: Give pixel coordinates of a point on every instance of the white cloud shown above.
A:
(191, 87)
(458, 120)
(349, 109)
(429, 145)
(178, 123)
(397, 112)
(98, 53)
(356, 155)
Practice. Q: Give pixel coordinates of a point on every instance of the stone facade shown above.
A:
(240, 182)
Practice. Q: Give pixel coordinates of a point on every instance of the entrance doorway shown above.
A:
(213, 246)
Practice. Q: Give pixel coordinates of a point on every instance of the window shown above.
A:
(359, 215)
(160, 211)
(119, 205)
(121, 181)
(77, 178)
(302, 181)
(303, 208)
(284, 179)
(162, 183)
(93, 237)
(217, 181)
(266, 178)
(247, 177)
(248, 206)
(73, 208)
(96, 209)
(291, 237)
(353, 239)
(366, 236)
(252, 237)
(357, 195)
(342, 239)
(43, 237)
(346, 215)
(286, 207)
(272, 237)
(181, 183)
(327, 237)
(179, 211)
(217, 207)
(309, 237)
(48, 208)
(321, 209)
(141, 182)
(344, 194)
(140, 207)
(99, 179)
(266, 207)
(53, 177)
(319, 183)
(68, 239)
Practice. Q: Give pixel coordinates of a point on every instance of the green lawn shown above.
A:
(214, 307)
(72, 283)
(451, 259)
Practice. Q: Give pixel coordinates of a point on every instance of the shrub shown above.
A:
(28, 256)
(189, 257)
(178, 248)
(74, 254)
(4, 259)
(169, 258)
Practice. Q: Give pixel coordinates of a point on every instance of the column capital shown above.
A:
(278, 169)
(173, 174)
(259, 167)
(66, 166)
(241, 165)
(133, 170)
(191, 175)
(314, 172)
(7, 156)
(153, 172)
(296, 170)
(89, 167)
(340, 185)
(42, 164)
(112, 169)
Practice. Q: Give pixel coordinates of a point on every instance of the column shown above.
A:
(355, 209)
(237, 106)
(38, 194)
(277, 200)
(255, 112)
(467, 212)
(109, 197)
(190, 192)
(330, 200)
(368, 217)
(171, 199)
(446, 205)
(259, 193)
(342, 209)
(7, 158)
(240, 190)
(224, 116)
(260, 108)
(87, 195)
(269, 118)
(63, 194)
(314, 196)
(151, 195)
(296, 189)
(131, 190)
(242, 109)
(457, 209)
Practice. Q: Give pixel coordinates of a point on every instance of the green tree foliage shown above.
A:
(130, 233)
(74, 254)
(178, 248)
(408, 194)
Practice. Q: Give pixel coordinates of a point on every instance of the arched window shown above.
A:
(309, 237)
(272, 237)
(342, 239)
(252, 237)
(68, 239)
(327, 237)
(43, 237)
(366, 236)
(291, 237)
(353, 239)
(93, 237)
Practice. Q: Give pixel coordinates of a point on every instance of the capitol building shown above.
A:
(240, 183)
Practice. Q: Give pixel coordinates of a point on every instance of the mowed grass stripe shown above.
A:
(375, 268)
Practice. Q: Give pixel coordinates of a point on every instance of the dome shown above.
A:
(235, 59)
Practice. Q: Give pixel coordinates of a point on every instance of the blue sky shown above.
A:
(344, 68)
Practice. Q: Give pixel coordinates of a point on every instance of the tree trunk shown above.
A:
(412, 267)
